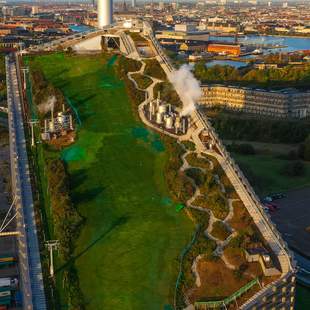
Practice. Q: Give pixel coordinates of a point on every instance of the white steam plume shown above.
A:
(187, 86)
(48, 105)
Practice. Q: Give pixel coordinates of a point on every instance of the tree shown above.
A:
(306, 154)
(294, 169)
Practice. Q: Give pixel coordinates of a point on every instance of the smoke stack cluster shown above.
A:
(164, 115)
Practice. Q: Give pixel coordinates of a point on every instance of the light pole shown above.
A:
(25, 70)
(52, 245)
(32, 123)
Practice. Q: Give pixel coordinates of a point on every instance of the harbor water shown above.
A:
(290, 43)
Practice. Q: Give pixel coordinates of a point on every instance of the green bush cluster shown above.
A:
(196, 175)
(189, 145)
(304, 149)
(195, 161)
(242, 148)
(294, 169)
(288, 76)
(200, 217)
(215, 201)
(202, 245)
(180, 187)
(220, 230)
(168, 93)
(67, 222)
(142, 80)
(123, 66)
(153, 68)
(264, 130)
(42, 90)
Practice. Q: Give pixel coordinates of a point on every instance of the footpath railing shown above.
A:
(249, 189)
(227, 300)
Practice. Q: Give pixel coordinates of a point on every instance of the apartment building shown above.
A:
(286, 103)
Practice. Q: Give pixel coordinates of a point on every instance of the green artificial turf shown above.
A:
(265, 173)
(127, 250)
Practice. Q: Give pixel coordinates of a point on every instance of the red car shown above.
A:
(274, 205)
(270, 207)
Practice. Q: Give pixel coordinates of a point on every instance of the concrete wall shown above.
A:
(93, 44)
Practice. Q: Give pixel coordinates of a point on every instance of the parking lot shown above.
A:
(293, 217)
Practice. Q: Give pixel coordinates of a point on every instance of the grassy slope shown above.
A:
(267, 172)
(127, 249)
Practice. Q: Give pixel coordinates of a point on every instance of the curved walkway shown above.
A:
(191, 135)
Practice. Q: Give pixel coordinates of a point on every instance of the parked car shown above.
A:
(267, 199)
(270, 207)
(277, 196)
(274, 205)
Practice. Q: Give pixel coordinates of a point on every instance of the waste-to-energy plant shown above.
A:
(166, 116)
(105, 13)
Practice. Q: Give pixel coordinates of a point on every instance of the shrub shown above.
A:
(200, 217)
(189, 145)
(142, 80)
(42, 91)
(153, 68)
(67, 222)
(168, 93)
(236, 127)
(217, 203)
(197, 175)
(243, 148)
(304, 149)
(196, 161)
(294, 169)
(220, 230)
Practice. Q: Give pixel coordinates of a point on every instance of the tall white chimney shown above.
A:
(105, 13)
(133, 3)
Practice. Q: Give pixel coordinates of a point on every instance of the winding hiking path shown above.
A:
(191, 135)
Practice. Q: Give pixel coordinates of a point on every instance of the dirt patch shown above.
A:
(217, 281)
(241, 219)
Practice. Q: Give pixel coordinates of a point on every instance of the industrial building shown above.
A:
(224, 49)
(182, 33)
(165, 116)
(286, 103)
(57, 126)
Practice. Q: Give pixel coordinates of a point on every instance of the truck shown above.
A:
(5, 282)
(7, 260)
(5, 294)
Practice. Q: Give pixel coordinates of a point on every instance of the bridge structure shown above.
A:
(283, 289)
